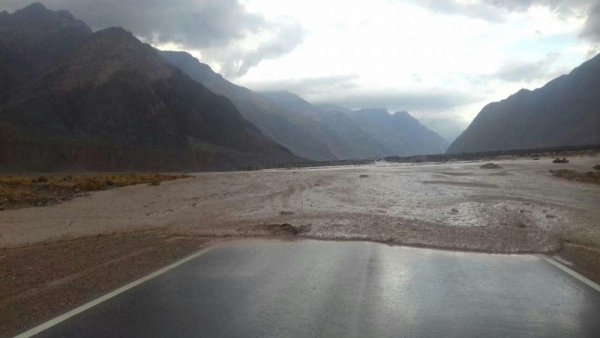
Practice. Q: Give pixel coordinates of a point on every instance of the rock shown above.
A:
(490, 166)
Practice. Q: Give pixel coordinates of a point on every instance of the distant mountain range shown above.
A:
(71, 98)
(564, 112)
(318, 132)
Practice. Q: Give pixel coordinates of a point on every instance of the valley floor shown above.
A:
(76, 250)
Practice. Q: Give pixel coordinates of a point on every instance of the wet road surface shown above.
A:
(346, 289)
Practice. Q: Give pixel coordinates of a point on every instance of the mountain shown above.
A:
(399, 132)
(315, 132)
(344, 138)
(367, 133)
(270, 119)
(106, 101)
(564, 112)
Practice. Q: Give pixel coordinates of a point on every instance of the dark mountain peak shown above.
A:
(193, 67)
(112, 51)
(187, 58)
(402, 114)
(593, 62)
(522, 91)
(400, 132)
(116, 33)
(37, 14)
(65, 14)
(564, 112)
(38, 38)
(36, 9)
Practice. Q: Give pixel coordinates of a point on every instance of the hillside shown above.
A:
(315, 132)
(271, 120)
(106, 101)
(366, 133)
(564, 112)
(335, 128)
(400, 134)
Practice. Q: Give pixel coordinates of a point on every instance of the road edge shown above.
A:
(571, 272)
(54, 321)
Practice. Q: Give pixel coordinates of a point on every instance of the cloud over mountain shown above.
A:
(216, 28)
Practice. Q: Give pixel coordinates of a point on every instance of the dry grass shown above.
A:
(24, 191)
(588, 177)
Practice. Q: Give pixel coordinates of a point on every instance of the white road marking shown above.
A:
(108, 296)
(61, 318)
(573, 274)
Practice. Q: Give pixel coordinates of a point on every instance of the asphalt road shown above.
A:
(346, 289)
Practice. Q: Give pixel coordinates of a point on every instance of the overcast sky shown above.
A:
(441, 60)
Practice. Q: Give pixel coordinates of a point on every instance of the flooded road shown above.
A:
(519, 207)
(346, 289)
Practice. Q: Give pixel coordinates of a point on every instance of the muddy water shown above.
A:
(519, 207)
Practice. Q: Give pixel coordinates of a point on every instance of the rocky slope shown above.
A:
(315, 132)
(106, 101)
(271, 120)
(399, 133)
(565, 112)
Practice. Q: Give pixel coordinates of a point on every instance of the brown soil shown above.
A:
(585, 177)
(41, 281)
(28, 190)
(490, 166)
(584, 259)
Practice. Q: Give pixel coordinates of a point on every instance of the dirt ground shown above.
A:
(27, 190)
(520, 207)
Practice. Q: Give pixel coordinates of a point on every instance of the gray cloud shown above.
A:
(493, 9)
(517, 71)
(430, 101)
(453, 7)
(195, 24)
(496, 10)
(309, 87)
(343, 90)
(288, 37)
(592, 25)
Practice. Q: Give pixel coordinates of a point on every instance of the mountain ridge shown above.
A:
(109, 94)
(329, 128)
(563, 112)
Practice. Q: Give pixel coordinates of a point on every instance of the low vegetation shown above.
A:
(587, 177)
(490, 166)
(24, 191)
